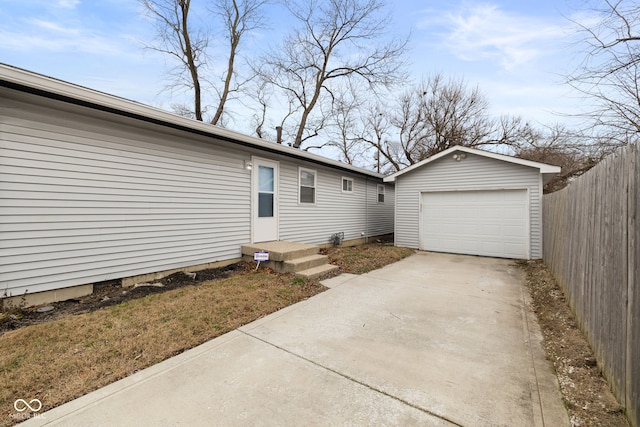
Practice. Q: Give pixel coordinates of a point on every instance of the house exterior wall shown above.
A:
(86, 200)
(88, 196)
(380, 215)
(473, 173)
(356, 214)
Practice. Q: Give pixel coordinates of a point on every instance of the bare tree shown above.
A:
(182, 110)
(176, 38)
(260, 103)
(189, 44)
(239, 18)
(438, 114)
(570, 149)
(259, 118)
(375, 132)
(344, 131)
(609, 72)
(337, 40)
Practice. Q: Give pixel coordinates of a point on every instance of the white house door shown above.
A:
(264, 200)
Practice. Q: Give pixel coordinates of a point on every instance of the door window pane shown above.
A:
(265, 205)
(265, 178)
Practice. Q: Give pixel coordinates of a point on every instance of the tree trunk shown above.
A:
(193, 68)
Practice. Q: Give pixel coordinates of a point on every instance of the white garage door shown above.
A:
(488, 223)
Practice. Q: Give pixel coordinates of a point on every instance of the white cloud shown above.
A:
(484, 31)
(68, 4)
(51, 37)
(52, 26)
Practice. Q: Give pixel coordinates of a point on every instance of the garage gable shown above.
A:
(460, 153)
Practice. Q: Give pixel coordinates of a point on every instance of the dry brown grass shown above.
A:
(585, 392)
(365, 258)
(63, 359)
(60, 360)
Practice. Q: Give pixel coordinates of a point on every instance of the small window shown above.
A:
(307, 193)
(380, 193)
(347, 185)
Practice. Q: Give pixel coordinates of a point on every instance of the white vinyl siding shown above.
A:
(88, 196)
(334, 211)
(380, 215)
(472, 173)
(85, 200)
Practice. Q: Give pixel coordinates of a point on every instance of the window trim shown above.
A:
(315, 186)
(378, 193)
(344, 178)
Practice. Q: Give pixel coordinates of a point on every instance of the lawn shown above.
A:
(64, 358)
(61, 359)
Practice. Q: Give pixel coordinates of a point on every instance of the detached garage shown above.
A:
(473, 202)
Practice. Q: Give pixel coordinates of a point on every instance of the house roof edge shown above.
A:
(24, 80)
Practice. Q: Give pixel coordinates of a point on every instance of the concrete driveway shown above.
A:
(432, 340)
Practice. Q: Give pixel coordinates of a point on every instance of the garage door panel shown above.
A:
(491, 247)
(489, 223)
(491, 230)
(514, 248)
(513, 231)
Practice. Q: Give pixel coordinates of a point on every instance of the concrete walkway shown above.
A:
(432, 340)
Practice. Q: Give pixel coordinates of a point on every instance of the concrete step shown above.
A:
(281, 250)
(293, 265)
(303, 263)
(322, 271)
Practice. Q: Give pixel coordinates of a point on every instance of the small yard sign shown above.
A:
(261, 256)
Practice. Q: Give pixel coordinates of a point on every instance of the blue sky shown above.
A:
(516, 51)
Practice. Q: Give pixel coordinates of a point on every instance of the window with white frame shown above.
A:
(380, 193)
(347, 185)
(307, 186)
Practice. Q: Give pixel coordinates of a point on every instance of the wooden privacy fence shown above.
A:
(592, 246)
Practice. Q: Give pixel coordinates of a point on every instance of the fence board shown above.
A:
(592, 246)
(633, 308)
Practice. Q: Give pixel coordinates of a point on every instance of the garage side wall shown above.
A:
(83, 199)
(472, 173)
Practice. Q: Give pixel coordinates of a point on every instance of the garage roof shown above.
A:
(547, 171)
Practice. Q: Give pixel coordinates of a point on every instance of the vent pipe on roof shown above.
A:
(279, 134)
